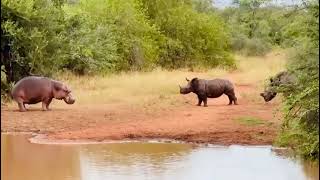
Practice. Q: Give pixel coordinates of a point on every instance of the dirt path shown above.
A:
(214, 124)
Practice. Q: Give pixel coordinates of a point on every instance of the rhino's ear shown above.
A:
(187, 79)
(194, 83)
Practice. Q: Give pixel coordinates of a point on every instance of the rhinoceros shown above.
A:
(209, 89)
(281, 78)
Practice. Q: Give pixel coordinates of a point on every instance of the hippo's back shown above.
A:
(30, 85)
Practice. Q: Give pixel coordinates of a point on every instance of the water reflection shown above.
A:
(311, 170)
(23, 160)
(131, 160)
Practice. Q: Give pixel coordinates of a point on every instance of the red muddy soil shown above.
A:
(213, 124)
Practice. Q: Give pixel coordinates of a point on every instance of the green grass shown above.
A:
(249, 121)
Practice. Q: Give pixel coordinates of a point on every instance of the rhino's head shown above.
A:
(189, 87)
(268, 95)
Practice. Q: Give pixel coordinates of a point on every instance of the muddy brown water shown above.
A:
(22, 160)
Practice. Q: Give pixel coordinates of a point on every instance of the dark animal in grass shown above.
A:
(209, 89)
(280, 79)
(34, 89)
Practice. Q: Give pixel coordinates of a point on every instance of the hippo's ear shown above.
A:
(57, 86)
(187, 79)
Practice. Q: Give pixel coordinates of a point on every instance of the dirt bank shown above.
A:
(219, 123)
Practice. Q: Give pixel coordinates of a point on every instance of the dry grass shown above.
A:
(254, 70)
(160, 87)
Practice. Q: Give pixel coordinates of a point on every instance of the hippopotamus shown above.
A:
(281, 78)
(209, 89)
(35, 89)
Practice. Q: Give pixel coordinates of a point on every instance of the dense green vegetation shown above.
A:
(102, 36)
(301, 123)
(109, 36)
(257, 27)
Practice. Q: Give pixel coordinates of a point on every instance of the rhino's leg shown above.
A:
(235, 100)
(205, 102)
(230, 99)
(199, 100)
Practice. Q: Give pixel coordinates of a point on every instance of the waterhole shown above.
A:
(22, 160)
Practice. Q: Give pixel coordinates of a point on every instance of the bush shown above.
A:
(250, 47)
(5, 86)
(256, 47)
(103, 36)
(190, 37)
(301, 122)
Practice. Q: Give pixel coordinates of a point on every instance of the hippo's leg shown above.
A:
(21, 105)
(48, 103)
(45, 104)
(199, 100)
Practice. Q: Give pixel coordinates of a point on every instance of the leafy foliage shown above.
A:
(257, 26)
(301, 125)
(192, 35)
(103, 36)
